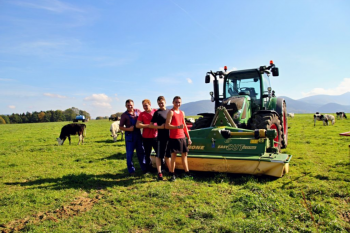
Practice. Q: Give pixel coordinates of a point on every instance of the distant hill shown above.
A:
(193, 108)
(312, 104)
(343, 99)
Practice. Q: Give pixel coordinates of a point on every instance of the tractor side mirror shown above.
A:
(207, 78)
(275, 71)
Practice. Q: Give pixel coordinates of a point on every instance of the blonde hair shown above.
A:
(147, 101)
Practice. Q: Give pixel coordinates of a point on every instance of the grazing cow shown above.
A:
(291, 115)
(115, 130)
(72, 129)
(341, 115)
(325, 118)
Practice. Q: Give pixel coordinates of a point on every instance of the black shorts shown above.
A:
(178, 145)
(163, 149)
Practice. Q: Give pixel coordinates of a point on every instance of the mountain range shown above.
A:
(311, 104)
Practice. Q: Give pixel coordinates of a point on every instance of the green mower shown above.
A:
(248, 129)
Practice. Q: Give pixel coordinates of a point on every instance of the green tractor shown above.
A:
(249, 100)
(247, 131)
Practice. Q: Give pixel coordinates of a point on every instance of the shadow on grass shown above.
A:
(118, 156)
(110, 141)
(82, 181)
(235, 179)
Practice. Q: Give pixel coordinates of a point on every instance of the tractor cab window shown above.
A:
(247, 83)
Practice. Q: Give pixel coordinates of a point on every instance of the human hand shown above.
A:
(189, 141)
(181, 126)
(131, 128)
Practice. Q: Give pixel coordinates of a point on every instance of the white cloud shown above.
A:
(189, 80)
(6, 79)
(342, 88)
(116, 97)
(49, 5)
(12, 106)
(98, 97)
(99, 100)
(55, 95)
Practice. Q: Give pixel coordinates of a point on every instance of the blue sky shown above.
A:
(94, 55)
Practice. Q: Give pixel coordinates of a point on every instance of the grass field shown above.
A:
(71, 188)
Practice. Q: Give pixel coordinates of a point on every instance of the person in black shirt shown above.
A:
(158, 122)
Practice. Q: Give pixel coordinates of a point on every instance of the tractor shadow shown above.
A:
(230, 178)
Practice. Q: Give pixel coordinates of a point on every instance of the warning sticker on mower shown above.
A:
(236, 147)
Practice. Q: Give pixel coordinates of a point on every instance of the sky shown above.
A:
(94, 55)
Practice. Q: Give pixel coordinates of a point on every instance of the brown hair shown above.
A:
(128, 101)
(176, 97)
(147, 101)
(160, 98)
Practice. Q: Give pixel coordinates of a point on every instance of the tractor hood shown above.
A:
(235, 103)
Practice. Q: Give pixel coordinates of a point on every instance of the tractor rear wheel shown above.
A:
(284, 126)
(202, 122)
(269, 121)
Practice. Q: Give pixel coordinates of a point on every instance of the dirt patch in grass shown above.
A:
(78, 206)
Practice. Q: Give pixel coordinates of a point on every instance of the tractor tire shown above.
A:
(269, 121)
(284, 126)
(202, 122)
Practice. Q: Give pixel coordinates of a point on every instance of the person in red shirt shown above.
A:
(149, 135)
(175, 122)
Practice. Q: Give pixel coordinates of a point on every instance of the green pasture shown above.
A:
(71, 188)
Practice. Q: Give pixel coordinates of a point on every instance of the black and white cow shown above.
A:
(326, 118)
(341, 115)
(72, 129)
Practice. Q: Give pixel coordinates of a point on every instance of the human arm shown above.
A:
(186, 130)
(140, 125)
(154, 125)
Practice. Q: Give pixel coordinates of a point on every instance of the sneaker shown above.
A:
(188, 175)
(132, 174)
(173, 177)
(160, 176)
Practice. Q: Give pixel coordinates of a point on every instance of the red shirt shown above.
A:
(146, 118)
(176, 120)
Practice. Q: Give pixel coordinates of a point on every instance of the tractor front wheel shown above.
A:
(269, 121)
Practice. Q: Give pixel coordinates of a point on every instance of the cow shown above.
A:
(72, 129)
(115, 130)
(341, 115)
(325, 118)
(291, 115)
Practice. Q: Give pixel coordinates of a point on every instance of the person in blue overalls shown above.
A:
(133, 138)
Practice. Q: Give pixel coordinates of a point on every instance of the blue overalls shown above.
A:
(133, 140)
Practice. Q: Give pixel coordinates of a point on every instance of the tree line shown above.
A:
(114, 116)
(43, 116)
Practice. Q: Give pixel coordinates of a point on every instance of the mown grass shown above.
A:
(40, 182)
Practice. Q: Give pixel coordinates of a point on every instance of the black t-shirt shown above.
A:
(159, 117)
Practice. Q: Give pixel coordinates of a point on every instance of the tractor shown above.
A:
(249, 100)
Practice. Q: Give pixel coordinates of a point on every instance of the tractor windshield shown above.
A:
(242, 83)
(266, 82)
